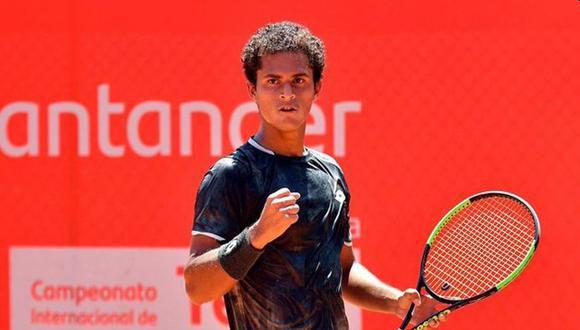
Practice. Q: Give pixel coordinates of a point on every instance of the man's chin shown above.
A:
(289, 127)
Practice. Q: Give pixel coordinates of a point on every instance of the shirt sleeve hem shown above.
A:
(214, 236)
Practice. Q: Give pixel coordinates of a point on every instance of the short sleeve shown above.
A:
(337, 173)
(345, 212)
(218, 203)
(346, 220)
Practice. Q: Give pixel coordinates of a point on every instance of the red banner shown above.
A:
(110, 114)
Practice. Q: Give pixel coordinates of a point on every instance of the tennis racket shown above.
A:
(477, 249)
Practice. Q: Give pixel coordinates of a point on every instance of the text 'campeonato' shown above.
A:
(162, 147)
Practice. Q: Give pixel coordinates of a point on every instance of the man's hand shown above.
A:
(278, 214)
(424, 307)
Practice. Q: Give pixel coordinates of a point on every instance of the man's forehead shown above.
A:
(285, 63)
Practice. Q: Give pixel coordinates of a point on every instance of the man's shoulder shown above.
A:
(325, 158)
(233, 164)
(239, 162)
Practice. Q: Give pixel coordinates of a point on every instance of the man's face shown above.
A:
(284, 90)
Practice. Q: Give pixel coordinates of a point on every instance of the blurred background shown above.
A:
(111, 112)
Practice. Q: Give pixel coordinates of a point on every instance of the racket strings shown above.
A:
(464, 260)
(471, 244)
(474, 284)
(479, 247)
(472, 247)
(519, 242)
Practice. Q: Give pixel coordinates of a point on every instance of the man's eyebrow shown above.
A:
(274, 75)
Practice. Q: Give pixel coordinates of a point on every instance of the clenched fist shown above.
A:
(278, 214)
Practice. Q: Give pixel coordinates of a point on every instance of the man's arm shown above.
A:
(362, 288)
(211, 269)
(205, 278)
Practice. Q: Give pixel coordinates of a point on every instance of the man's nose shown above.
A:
(287, 92)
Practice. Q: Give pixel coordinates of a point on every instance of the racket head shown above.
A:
(479, 247)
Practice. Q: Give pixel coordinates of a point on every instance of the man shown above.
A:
(271, 229)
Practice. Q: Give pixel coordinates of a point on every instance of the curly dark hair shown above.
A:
(283, 37)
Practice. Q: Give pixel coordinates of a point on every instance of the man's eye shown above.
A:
(272, 81)
(299, 80)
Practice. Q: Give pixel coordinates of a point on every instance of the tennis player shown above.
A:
(271, 227)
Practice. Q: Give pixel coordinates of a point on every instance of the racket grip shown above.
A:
(407, 318)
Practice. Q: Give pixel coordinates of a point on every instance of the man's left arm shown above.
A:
(362, 288)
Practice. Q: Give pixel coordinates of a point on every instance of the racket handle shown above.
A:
(407, 318)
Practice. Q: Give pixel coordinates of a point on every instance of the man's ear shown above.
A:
(251, 89)
(317, 88)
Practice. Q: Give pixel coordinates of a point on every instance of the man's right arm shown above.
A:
(205, 276)
(205, 279)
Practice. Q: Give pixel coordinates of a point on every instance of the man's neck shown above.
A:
(282, 143)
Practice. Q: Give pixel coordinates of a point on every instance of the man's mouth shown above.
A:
(287, 109)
